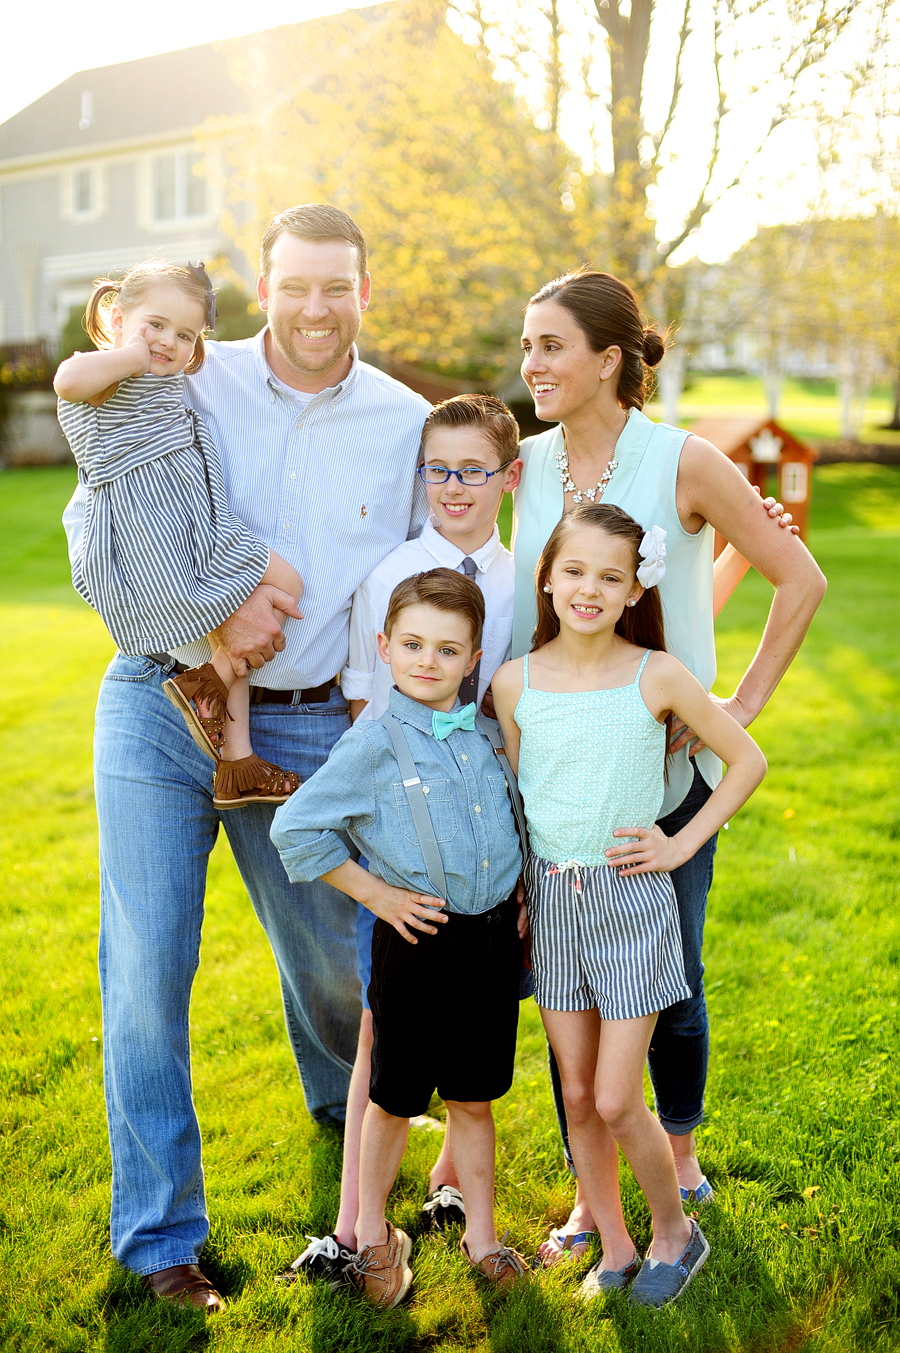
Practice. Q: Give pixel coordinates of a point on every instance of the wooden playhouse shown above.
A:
(770, 457)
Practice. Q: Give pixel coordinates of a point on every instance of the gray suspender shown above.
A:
(495, 738)
(419, 808)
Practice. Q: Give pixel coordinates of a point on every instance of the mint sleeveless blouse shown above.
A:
(644, 486)
(589, 761)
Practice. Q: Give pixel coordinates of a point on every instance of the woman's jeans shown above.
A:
(157, 828)
(679, 1049)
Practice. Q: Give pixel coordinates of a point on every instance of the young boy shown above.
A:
(468, 460)
(431, 638)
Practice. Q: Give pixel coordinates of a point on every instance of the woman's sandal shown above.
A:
(201, 683)
(573, 1245)
(252, 780)
(703, 1193)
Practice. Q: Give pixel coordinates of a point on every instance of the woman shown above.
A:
(586, 355)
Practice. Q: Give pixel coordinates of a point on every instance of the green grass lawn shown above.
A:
(807, 409)
(802, 1140)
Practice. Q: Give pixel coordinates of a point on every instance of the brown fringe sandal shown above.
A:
(252, 780)
(201, 683)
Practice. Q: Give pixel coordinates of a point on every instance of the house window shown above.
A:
(176, 191)
(793, 482)
(82, 193)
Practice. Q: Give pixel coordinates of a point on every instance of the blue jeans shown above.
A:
(157, 828)
(679, 1050)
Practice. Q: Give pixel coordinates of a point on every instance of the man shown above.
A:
(318, 452)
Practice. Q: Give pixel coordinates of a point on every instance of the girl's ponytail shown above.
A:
(96, 315)
(642, 624)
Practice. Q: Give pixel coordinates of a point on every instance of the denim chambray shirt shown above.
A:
(359, 790)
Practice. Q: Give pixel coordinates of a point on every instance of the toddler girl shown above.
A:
(163, 559)
(584, 719)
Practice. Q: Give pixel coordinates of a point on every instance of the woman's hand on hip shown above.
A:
(652, 852)
(681, 735)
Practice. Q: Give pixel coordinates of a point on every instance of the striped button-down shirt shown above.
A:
(328, 482)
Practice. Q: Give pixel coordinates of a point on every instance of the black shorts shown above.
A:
(445, 1011)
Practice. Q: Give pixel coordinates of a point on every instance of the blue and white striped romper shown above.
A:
(162, 558)
(591, 761)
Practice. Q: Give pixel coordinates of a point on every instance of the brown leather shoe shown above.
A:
(504, 1266)
(381, 1273)
(184, 1285)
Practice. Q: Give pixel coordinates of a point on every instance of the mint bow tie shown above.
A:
(445, 724)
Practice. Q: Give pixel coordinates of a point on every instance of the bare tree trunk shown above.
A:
(894, 424)
(773, 380)
(631, 232)
(671, 383)
(854, 383)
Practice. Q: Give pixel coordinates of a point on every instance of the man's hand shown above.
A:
(402, 908)
(653, 851)
(253, 635)
(777, 512)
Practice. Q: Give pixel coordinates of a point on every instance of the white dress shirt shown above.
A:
(366, 677)
(329, 482)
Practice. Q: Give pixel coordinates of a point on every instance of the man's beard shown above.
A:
(312, 363)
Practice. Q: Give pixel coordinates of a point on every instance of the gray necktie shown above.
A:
(468, 691)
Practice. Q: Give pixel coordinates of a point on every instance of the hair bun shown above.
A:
(653, 347)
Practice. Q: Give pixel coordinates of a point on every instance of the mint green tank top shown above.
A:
(644, 486)
(589, 761)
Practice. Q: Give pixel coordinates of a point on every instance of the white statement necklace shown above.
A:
(569, 486)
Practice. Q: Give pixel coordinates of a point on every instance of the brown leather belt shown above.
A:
(262, 695)
(315, 695)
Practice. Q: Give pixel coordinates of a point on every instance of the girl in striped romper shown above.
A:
(163, 560)
(584, 720)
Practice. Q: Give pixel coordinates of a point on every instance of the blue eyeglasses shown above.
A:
(471, 476)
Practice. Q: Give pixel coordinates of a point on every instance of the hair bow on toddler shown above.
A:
(199, 274)
(652, 551)
(445, 724)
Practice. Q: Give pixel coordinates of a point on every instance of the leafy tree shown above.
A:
(237, 314)
(72, 336)
(389, 114)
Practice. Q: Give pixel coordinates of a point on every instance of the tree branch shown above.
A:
(683, 36)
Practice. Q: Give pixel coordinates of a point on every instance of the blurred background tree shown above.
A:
(404, 125)
(674, 103)
(487, 147)
(237, 313)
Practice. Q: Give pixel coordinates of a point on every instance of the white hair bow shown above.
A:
(653, 553)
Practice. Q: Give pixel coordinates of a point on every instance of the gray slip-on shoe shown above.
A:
(600, 1280)
(657, 1284)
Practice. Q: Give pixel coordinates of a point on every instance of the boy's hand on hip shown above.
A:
(401, 908)
(522, 922)
(254, 634)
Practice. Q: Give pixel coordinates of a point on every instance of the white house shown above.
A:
(108, 169)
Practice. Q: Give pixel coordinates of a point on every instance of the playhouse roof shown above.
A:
(732, 435)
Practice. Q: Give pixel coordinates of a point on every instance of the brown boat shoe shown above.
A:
(503, 1267)
(381, 1273)
(184, 1285)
